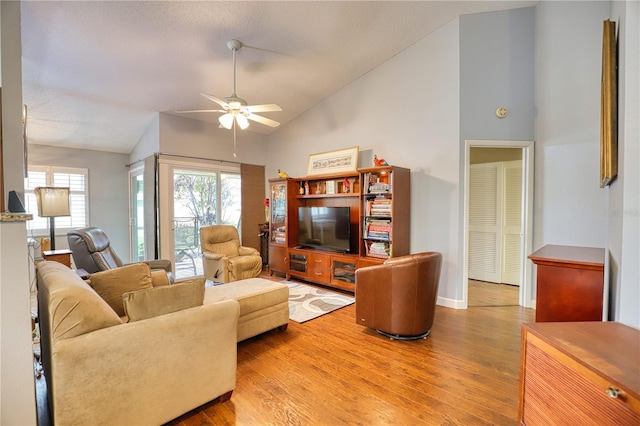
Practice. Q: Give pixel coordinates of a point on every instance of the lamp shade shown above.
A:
(242, 121)
(226, 120)
(52, 202)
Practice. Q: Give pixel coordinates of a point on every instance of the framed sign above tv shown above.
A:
(326, 163)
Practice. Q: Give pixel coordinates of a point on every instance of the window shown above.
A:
(74, 178)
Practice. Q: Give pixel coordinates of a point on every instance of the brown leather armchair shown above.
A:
(398, 297)
(91, 250)
(223, 258)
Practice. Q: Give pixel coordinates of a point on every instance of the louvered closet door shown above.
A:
(512, 223)
(485, 233)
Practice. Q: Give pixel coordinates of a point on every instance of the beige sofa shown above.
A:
(101, 370)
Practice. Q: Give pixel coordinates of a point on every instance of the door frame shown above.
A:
(524, 298)
(133, 171)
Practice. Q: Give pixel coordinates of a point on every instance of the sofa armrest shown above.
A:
(159, 264)
(146, 372)
(373, 294)
(215, 267)
(373, 277)
(248, 251)
(212, 256)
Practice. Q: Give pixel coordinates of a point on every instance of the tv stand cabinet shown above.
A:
(376, 196)
(323, 267)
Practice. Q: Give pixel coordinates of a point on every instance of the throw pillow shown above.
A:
(113, 283)
(143, 304)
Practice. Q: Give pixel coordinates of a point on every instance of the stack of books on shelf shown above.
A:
(378, 229)
(279, 236)
(377, 249)
(374, 186)
(378, 188)
(379, 207)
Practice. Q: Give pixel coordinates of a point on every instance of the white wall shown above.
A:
(623, 208)
(406, 111)
(108, 189)
(149, 143)
(177, 135)
(17, 402)
(497, 69)
(193, 138)
(569, 204)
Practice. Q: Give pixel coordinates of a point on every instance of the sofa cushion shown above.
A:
(253, 294)
(113, 283)
(148, 303)
(159, 277)
(69, 304)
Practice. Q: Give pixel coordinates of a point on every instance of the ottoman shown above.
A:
(264, 304)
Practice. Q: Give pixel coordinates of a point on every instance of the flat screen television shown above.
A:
(324, 228)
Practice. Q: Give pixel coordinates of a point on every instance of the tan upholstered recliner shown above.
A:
(223, 258)
(398, 297)
(92, 252)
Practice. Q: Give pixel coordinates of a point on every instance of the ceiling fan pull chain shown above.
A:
(234, 140)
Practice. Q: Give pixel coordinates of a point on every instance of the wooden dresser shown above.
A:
(579, 373)
(569, 284)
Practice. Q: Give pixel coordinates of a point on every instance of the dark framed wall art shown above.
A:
(609, 106)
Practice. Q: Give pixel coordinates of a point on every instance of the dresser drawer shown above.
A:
(319, 267)
(575, 382)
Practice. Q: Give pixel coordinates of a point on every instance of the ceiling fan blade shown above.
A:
(263, 108)
(220, 102)
(200, 110)
(263, 120)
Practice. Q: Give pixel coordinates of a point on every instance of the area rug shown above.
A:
(307, 303)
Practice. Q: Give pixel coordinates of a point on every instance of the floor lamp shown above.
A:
(52, 203)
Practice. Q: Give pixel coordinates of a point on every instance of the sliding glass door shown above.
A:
(200, 195)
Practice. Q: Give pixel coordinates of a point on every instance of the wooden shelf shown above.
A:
(342, 195)
(320, 266)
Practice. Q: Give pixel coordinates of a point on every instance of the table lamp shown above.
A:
(52, 203)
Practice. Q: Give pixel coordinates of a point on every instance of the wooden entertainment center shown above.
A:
(379, 203)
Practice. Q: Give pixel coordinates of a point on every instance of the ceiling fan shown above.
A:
(235, 109)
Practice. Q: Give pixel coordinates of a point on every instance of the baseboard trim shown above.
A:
(451, 303)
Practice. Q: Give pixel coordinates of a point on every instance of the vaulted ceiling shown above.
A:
(96, 73)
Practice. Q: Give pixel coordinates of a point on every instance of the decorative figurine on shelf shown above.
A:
(301, 190)
(282, 174)
(318, 190)
(266, 210)
(379, 162)
(346, 186)
(306, 188)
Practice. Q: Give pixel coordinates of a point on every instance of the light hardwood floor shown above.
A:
(481, 293)
(331, 371)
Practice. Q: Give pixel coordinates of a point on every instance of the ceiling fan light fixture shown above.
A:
(226, 120)
(237, 112)
(242, 121)
(235, 103)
